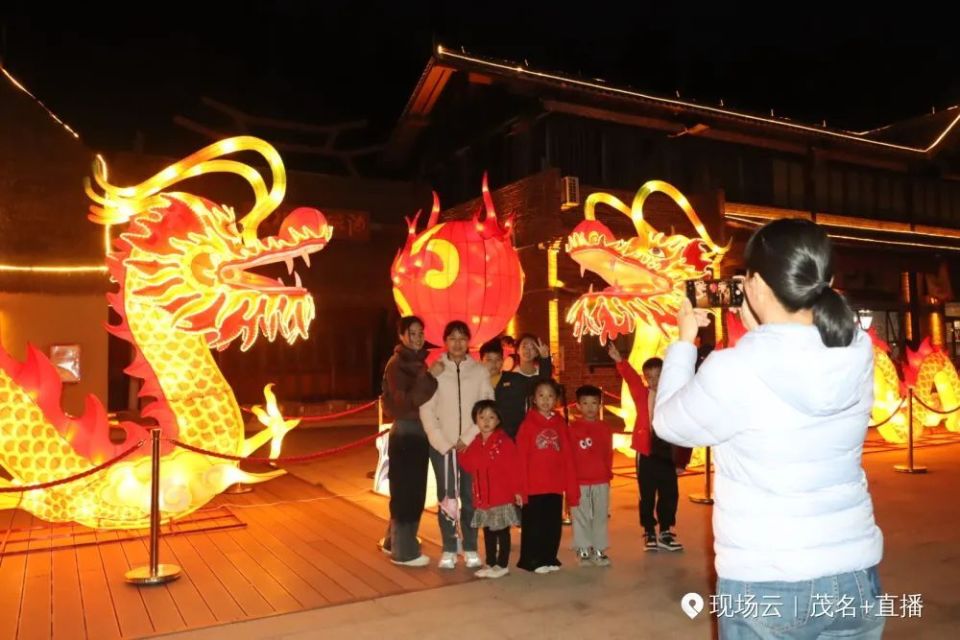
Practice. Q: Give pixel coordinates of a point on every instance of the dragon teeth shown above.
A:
(296, 279)
(289, 263)
(306, 258)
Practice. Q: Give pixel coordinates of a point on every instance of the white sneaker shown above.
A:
(583, 557)
(497, 572)
(421, 561)
(472, 559)
(382, 545)
(483, 573)
(601, 559)
(543, 570)
(447, 561)
(553, 567)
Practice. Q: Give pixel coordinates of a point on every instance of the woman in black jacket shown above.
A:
(407, 384)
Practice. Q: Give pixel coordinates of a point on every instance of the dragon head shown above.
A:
(194, 259)
(645, 273)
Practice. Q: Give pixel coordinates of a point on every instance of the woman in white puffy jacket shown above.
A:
(449, 427)
(786, 412)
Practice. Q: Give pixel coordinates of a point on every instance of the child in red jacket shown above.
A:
(656, 465)
(593, 457)
(547, 472)
(493, 462)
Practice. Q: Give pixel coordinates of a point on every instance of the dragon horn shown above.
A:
(435, 211)
(655, 186)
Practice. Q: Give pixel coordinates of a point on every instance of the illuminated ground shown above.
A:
(639, 595)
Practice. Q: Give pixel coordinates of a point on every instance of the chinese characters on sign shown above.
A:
(907, 605)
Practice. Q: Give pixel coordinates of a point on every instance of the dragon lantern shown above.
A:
(187, 283)
(646, 275)
(935, 384)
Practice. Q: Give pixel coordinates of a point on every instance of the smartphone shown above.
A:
(707, 293)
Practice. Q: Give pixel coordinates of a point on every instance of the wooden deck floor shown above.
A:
(301, 548)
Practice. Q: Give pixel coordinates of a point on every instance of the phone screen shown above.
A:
(708, 293)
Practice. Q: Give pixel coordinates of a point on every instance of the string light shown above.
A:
(22, 88)
(443, 52)
(901, 243)
(830, 220)
(77, 269)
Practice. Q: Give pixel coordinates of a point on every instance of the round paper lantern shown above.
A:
(463, 270)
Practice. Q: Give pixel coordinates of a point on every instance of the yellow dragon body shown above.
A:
(935, 384)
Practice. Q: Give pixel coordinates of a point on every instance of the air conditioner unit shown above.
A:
(569, 192)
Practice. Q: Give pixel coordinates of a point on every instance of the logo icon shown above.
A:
(692, 604)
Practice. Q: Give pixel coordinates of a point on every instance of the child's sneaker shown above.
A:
(583, 556)
(471, 559)
(668, 541)
(484, 572)
(650, 541)
(543, 570)
(448, 560)
(497, 572)
(420, 561)
(600, 559)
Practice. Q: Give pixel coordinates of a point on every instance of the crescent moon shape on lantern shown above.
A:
(446, 274)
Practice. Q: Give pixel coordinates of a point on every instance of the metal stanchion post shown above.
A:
(156, 573)
(238, 488)
(910, 467)
(602, 396)
(707, 496)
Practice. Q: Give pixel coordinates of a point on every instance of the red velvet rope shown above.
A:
(330, 416)
(889, 417)
(79, 476)
(929, 408)
(287, 459)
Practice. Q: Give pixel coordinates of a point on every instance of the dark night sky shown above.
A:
(112, 74)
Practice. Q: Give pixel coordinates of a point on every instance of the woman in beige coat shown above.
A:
(449, 428)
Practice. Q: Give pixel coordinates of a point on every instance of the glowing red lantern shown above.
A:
(463, 270)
